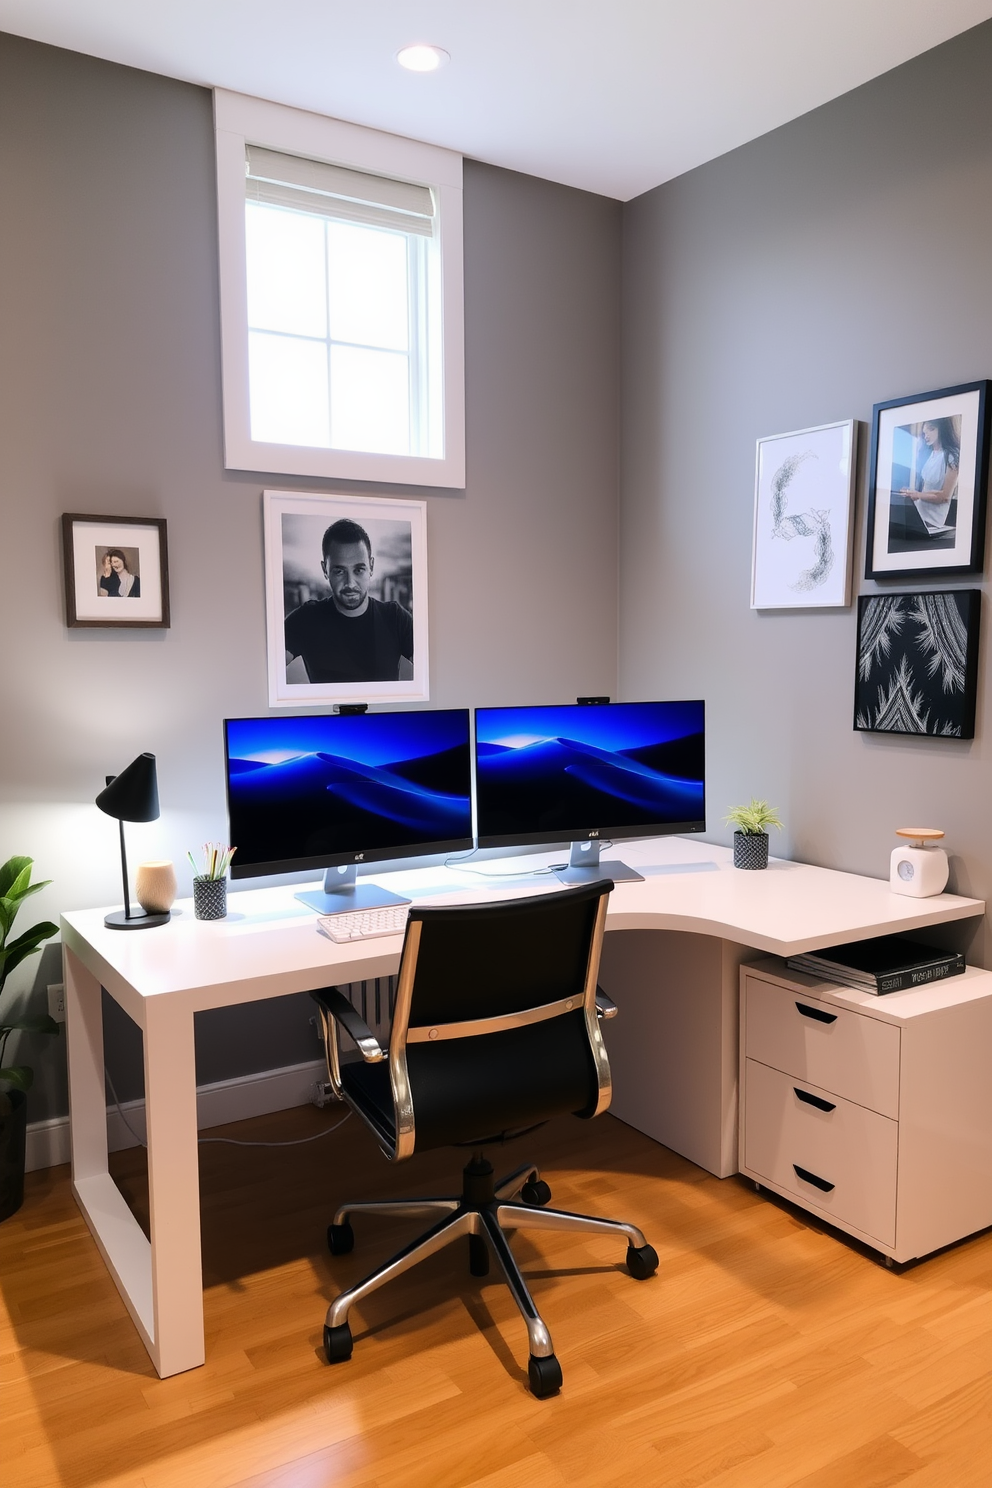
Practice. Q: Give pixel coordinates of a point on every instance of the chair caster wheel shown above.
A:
(340, 1238)
(544, 1376)
(536, 1193)
(642, 1261)
(337, 1343)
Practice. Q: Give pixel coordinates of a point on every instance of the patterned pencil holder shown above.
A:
(210, 898)
(750, 849)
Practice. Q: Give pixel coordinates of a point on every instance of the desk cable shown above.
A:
(523, 873)
(226, 1141)
(546, 872)
(462, 863)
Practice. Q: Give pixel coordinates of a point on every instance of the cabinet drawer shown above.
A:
(853, 1055)
(848, 1147)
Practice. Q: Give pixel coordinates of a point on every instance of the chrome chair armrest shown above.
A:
(605, 1006)
(333, 1004)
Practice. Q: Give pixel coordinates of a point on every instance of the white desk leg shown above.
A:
(84, 1051)
(173, 1187)
(118, 1236)
(673, 1049)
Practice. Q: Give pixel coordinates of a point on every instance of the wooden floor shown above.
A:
(764, 1354)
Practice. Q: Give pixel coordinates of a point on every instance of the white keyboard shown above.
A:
(362, 924)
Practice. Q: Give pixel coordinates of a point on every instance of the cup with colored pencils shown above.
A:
(210, 881)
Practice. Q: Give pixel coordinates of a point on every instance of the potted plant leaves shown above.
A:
(16, 1079)
(751, 838)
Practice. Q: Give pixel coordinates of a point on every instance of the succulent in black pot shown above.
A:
(751, 838)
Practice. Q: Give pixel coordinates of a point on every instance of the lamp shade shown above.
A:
(133, 794)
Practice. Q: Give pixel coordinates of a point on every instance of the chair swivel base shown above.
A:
(482, 1213)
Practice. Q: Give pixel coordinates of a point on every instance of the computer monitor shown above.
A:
(583, 773)
(338, 790)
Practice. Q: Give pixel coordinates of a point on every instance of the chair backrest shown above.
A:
(495, 1026)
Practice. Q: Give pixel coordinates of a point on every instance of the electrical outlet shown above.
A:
(56, 1001)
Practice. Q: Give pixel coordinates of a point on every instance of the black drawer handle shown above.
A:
(817, 1013)
(809, 1177)
(814, 1100)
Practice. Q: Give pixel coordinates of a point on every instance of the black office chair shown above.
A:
(496, 1029)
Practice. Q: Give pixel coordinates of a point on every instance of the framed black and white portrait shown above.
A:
(917, 667)
(116, 571)
(927, 484)
(346, 599)
(803, 496)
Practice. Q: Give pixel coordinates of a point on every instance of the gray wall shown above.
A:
(838, 262)
(110, 403)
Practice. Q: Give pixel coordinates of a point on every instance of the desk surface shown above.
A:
(269, 944)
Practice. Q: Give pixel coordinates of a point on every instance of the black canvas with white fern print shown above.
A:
(918, 663)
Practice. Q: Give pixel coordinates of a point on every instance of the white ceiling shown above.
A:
(614, 96)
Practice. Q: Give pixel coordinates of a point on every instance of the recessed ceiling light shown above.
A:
(422, 58)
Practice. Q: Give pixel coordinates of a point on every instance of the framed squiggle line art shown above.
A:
(803, 498)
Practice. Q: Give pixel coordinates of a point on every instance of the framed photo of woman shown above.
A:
(927, 483)
(116, 571)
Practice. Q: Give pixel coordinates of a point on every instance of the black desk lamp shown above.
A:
(132, 796)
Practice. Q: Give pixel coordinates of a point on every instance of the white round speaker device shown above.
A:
(916, 868)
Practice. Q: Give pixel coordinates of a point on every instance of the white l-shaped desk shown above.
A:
(673, 972)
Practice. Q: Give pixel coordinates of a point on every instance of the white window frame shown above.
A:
(239, 119)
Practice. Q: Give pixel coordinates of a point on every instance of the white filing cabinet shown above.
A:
(872, 1112)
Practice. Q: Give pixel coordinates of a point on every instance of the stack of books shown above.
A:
(889, 963)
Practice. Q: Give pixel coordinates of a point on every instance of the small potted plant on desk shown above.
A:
(750, 837)
(16, 1079)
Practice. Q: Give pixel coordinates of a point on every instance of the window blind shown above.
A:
(337, 191)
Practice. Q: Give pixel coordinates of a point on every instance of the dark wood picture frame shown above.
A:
(931, 554)
(146, 606)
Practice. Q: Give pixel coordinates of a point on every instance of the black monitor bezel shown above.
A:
(593, 832)
(337, 860)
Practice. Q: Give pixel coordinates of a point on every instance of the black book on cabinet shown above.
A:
(889, 963)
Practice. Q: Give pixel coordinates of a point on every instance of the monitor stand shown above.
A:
(584, 866)
(342, 892)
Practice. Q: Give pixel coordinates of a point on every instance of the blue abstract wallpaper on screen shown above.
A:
(551, 773)
(303, 792)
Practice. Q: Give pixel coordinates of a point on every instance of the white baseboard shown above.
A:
(216, 1105)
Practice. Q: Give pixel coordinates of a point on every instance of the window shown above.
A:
(341, 299)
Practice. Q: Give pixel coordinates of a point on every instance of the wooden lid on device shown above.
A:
(922, 834)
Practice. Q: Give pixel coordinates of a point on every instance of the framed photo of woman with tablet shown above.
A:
(927, 483)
